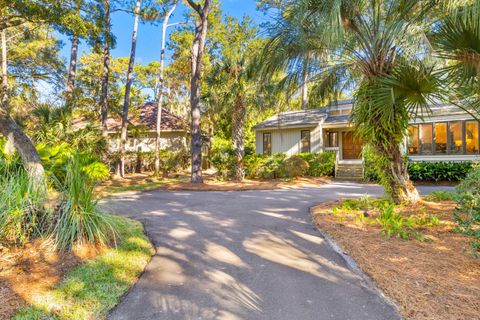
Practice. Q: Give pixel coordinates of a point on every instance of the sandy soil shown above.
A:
(437, 279)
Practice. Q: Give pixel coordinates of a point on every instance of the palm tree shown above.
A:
(456, 39)
(374, 49)
(232, 89)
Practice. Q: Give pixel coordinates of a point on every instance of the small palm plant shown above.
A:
(80, 220)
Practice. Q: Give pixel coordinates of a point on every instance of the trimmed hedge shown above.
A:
(439, 171)
(279, 166)
(320, 164)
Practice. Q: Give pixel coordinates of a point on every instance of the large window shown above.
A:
(426, 138)
(305, 140)
(267, 144)
(454, 137)
(441, 137)
(471, 137)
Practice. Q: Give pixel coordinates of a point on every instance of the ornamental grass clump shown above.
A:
(22, 207)
(80, 220)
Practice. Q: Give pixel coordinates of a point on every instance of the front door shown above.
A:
(351, 147)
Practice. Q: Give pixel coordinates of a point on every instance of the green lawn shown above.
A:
(91, 289)
(143, 186)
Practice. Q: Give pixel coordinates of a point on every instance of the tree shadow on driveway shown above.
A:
(244, 255)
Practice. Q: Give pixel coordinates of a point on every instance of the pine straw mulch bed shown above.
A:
(147, 181)
(437, 279)
(27, 272)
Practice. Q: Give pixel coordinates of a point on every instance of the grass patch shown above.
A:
(437, 196)
(143, 186)
(91, 289)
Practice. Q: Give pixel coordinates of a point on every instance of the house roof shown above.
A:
(147, 118)
(297, 118)
(307, 118)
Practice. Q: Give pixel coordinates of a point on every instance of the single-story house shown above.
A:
(142, 129)
(446, 134)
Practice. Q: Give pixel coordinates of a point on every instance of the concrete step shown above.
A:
(349, 171)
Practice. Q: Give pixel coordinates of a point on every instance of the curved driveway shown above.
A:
(244, 255)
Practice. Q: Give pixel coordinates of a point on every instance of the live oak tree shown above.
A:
(15, 13)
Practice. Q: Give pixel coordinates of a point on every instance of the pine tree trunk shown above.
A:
(201, 25)
(305, 87)
(10, 129)
(238, 137)
(161, 89)
(72, 70)
(106, 70)
(126, 101)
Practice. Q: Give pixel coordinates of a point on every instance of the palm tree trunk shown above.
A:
(401, 187)
(72, 70)
(106, 69)
(238, 137)
(126, 101)
(201, 25)
(161, 88)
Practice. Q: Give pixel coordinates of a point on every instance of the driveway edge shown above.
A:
(352, 264)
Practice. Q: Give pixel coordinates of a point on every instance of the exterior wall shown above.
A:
(146, 143)
(288, 140)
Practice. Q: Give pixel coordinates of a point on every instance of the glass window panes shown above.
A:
(456, 137)
(426, 138)
(267, 144)
(305, 141)
(332, 139)
(471, 137)
(441, 137)
(412, 139)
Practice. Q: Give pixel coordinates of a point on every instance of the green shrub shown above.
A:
(438, 171)
(223, 158)
(468, 206)
(171, 160)
(55, 159)
(279, 166)
(22, 211)
(441, 196)
(272, 167)
(79, 218)
(294, 167)
(320, 164)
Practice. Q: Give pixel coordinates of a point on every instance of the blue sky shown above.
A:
(148, 43)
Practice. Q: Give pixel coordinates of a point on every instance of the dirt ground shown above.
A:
(27, 272)
(437, 279)
(146, 181)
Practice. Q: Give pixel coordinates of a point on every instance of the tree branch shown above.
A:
(196, 7)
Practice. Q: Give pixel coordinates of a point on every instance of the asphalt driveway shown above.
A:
(244, 255)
